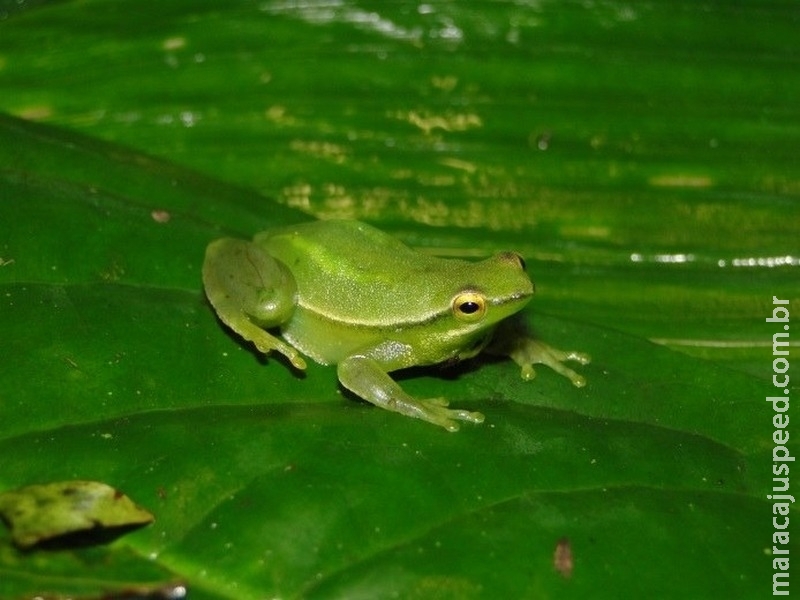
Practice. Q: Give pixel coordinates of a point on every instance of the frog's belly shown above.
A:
(328, 342)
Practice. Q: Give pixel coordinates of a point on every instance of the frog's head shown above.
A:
(489, 292)
(498, 287)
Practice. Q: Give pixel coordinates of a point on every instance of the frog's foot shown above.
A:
(434, 410)
(532, 352)
(263, 341)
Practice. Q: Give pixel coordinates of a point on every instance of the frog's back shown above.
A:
(336, 242)
(355, 268)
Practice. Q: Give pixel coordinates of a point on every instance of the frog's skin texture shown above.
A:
(345, 293)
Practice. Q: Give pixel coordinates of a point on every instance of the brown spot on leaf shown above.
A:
(562, 558)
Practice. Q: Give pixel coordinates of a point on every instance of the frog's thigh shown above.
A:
(367, 379)
(250, 290)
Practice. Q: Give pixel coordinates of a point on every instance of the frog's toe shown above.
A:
(528, 372)
(576, 379)
(266, 343)
(450, 425)
(450, 422)
(580, 357)
(471, 417)
(435, 412)
(438, 401)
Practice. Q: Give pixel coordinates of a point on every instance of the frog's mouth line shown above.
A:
(512, 298)
(426, 319)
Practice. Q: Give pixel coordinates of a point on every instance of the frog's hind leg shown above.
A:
(249, 291)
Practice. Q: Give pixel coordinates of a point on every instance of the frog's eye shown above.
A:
(469, 306)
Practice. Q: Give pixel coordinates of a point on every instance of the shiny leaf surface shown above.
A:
(641, 159)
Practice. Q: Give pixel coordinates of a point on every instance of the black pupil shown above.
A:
(469, 308)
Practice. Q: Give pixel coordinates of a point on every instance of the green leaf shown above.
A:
(642, 162)
(264, 482)
(88, 573)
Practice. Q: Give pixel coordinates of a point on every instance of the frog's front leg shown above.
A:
(366, 378)
(527, 352)
(249, 291)
(513, 339)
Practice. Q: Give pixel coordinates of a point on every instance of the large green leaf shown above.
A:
(640, 157)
